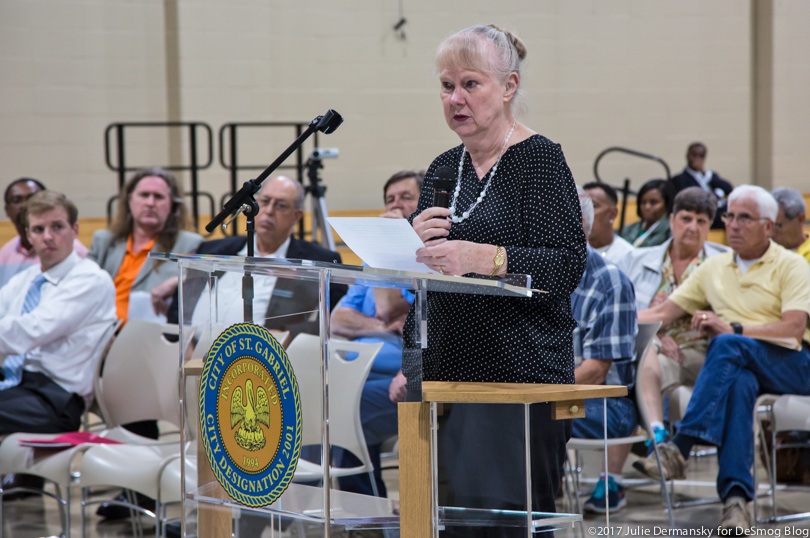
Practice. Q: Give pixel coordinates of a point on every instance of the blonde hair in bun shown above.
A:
(486, 48)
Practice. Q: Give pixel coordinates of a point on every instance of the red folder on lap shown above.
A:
(68, 440)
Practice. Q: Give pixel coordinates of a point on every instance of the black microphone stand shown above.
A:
(244, 202)
(318, 193)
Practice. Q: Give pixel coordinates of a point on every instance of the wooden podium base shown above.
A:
(415, 477)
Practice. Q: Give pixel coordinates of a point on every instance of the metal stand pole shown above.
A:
(319, 211)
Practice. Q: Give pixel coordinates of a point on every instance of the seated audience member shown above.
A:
(677, 354)
(788, 230)
(696, 175)
(281, 304)
(52, 315)
(603, 306)
(17, 254)
(150, 218)
(603, 239)
(357, 317)
(753, 302)
(654, 202)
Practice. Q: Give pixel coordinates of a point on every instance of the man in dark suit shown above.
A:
(282, 304)
(696, 175)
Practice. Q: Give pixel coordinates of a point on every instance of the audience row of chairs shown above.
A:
(138, 378)
(782, 413)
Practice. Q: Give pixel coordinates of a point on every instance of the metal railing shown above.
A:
(625, 188)
(118, 131)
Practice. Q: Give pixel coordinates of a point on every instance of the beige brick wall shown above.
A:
(649, 75)
(67, 69)
(791, 87)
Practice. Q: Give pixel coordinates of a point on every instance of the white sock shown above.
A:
(657, 424)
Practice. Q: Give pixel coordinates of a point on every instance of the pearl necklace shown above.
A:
(466, 214)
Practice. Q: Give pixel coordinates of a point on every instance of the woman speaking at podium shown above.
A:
(514, 209)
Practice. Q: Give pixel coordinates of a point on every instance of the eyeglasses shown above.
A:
(743, 219)
(281, 206)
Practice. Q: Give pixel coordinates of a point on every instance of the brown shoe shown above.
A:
(736, 517)
(672, 463)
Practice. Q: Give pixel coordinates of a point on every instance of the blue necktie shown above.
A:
(13, 365)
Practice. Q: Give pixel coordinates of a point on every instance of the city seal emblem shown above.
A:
(250, 415)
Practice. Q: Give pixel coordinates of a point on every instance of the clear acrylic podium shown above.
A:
(302, 296)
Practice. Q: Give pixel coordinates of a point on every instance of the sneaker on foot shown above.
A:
(672, 463)
(736, 517)
(661, 436)
(615, 497)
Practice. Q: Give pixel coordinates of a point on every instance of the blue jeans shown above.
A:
(622, 419)
(721, 410)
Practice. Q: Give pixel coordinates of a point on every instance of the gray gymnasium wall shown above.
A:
(652, 76)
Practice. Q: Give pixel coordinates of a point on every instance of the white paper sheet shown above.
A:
(381, 243)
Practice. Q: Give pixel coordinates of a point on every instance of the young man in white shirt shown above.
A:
(52, 315)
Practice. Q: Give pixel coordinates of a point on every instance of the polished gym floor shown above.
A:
(644, 516)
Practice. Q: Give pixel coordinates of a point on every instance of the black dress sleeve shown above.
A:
(554, 248)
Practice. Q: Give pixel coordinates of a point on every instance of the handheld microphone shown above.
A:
(443, 186)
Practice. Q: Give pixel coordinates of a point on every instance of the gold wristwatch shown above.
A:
(498, 259)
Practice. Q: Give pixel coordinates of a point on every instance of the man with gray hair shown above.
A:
(788, 230)
(603, 306)
(754, 303)
(280, 304)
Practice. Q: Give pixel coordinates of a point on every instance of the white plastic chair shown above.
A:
(140, 381)
(346, 380)
(56, 468)
(787, 412)
(646, 332)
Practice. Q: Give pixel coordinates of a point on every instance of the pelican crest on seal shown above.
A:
(250, 436)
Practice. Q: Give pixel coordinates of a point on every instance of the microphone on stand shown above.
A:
(443, 186)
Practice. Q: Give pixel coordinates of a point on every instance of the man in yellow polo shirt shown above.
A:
(788, 230)
(754, 303)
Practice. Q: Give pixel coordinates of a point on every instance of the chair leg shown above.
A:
(773, 472)
(63, 502)
(134, 515)
(83, 503)
(67, 512)
(158, 518)
(664, 487)
(374, 487)
(572, 491)
(2, 522)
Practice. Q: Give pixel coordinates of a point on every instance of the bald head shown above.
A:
(275, 181)
(281, 202)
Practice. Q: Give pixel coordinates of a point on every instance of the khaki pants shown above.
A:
(674, 373)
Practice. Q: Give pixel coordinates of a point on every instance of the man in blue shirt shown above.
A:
(604, 344)
(365, 316)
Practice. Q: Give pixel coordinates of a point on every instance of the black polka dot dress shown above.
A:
(532, 210)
